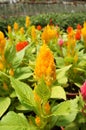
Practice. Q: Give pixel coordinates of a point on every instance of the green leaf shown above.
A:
(23, 92)
(13, 121)
(65, 112)
(72, 126)
(4, 104)
(61, 74)
(12, 57)
(18, 58)
(58, 92)
(43, 90)
(23, 73)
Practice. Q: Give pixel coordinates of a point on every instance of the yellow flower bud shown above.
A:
(9, 29)
(38, 121)
(11, 72)
(15, 26)
(27, 23)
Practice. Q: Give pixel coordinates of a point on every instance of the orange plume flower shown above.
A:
(45, 66)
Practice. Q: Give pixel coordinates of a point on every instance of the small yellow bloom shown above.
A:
(9, 29)
(22, 30)
(37, 98)
(15, 26)
(45, 66)
(33, 33)
(38, 121)
(1, 66)
(11, 72)
(27, 23)
(47, 108)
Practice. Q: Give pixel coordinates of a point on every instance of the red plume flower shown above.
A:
(21, 45)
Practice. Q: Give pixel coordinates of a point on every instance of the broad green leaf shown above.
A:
(65, 112)
(61, 74)
(4, 104)
(58, 92)
(23, 73)
(18, 58)
(13, 121)
(43, 90)
(10, 52)
(23, 92)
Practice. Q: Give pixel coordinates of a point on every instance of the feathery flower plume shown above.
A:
(45, 66)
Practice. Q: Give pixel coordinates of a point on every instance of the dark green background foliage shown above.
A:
(63, 20)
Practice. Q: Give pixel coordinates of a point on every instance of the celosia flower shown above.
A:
(49, 33)
(47, 107)
(9, 29)
(45, 66)
(21, 45)
(83, 91)
(2, 42)
(39, 27)
(27, 22)
(60, 42)
(1, 65)
(22, 30)
(69, 29)
(33, 33)
(15, 26)
(78, 35)
(79, 27)
(83, 31)
(38, 121)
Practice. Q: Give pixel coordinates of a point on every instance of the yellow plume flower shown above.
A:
(9, 29)
(22, 30)
(45, 66)
(15, 26)
(27, 22)
(83, 31)
(47, 107)
(1, 65)
(38, 121)
(33, 33)
(2, 42)
(1, 36)
(49, 33)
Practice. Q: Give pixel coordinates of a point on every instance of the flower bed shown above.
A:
(37, 68)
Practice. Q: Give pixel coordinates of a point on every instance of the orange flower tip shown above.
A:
(37, 121)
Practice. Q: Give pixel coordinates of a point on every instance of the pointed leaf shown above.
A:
(43, 90)
(23, 92)
(13, 121)
(4, 104)
(23, 73)
(58, 92)
(65, 112)
(61, 74)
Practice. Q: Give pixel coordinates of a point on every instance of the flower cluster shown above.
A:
(45, 66)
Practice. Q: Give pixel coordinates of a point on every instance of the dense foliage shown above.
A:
(61, 19)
